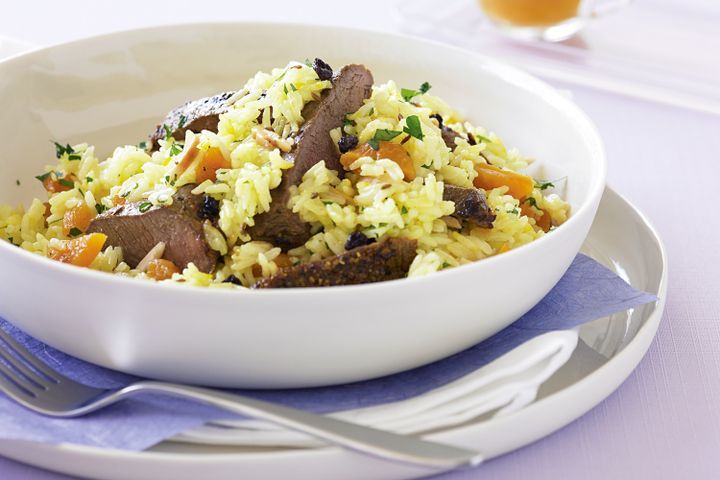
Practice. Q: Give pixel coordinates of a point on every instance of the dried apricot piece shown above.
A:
(161, 269)
(77, 220)
(79, 251)
(212, 161)
(391, 151)
(490, 176)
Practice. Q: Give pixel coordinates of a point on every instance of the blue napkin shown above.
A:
(586, 292)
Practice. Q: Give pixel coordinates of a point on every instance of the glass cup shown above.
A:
(550, 20)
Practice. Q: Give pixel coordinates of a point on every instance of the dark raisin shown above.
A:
(471, 139)
(210, 209)
(347, 143)
(233, 279)
(357, 239)
(439, 119)
(323, 70)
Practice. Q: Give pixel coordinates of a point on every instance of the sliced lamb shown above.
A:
(350, 87)
(137, 229)
(377, 262)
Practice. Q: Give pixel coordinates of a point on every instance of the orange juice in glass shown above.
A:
(551, 20)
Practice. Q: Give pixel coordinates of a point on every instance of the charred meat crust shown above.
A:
(195, 115)
(386, 260)
(470, 205)
(351, 86)
(178, 226)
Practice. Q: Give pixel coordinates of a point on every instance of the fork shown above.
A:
(31, 383)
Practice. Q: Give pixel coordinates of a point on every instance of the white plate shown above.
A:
(621, 238)
(113, 89)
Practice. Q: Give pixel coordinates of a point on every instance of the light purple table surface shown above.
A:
(664, 421)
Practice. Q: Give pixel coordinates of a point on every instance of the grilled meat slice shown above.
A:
(350, 87)
(179, 226)
(470, 205)
(377, 262)
(196, 115)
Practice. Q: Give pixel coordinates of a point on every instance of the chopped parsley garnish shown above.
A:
(372, 110)
(142, 145)
(514, 211)
(285, 88)
(100, 208)
(327, 202)
(88, 179)
(144, 206)
(382, 135)
(181, 122)
(66, 183)
(413, 127)
(482, 138)
(74, 156)
(531, 201)
(347, 121)
(543, 185)
(44, 176)
(403, 210)
(74, 232)
(408, 93)
(293, 87)
(445, 265)
(62, 150)
(308, 63)
(175, 149)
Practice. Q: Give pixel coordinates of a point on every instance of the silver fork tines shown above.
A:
(27, 380)
(33, 369)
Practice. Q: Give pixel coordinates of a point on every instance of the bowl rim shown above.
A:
(508, 73)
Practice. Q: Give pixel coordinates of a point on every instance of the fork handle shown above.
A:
(378, 443)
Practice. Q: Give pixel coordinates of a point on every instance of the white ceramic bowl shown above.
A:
(112, 89)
